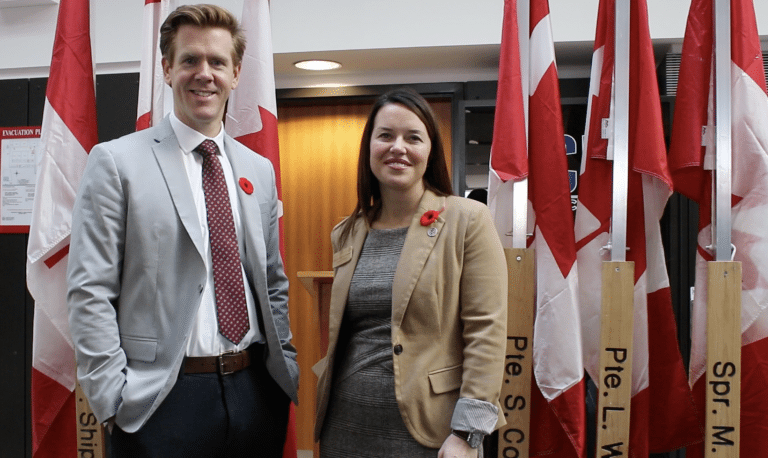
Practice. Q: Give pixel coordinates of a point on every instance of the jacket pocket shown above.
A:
(319, 366)
(264, 209)
(446, 379)
(139, 348)
(342, 256)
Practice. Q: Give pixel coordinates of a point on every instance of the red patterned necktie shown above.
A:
(229, 290)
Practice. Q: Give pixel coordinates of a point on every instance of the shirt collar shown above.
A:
(189, 138)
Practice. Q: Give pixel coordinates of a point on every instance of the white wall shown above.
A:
(300, 26)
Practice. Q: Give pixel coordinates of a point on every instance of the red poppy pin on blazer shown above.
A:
(246, 185)
(430, 216)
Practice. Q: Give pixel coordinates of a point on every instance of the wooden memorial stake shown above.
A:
(90, 433)
(614, 384)
(514, 440)
(723, 360)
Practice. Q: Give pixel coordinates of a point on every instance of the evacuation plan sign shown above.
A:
(17, 177)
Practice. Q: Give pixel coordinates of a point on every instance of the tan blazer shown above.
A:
(449, 315)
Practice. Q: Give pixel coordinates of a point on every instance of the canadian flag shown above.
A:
(252, 119)
(662, 415)
(252, 111)
(557, 411)
(155, 97)
(68, 134)
(691, 163)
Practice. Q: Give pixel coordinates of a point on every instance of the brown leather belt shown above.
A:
(227, 363)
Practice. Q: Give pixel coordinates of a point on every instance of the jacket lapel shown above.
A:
(344, 263)
(416, 249)
(250, 212)
(168, 155)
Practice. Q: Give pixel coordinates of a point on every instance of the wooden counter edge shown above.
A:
(308, 279)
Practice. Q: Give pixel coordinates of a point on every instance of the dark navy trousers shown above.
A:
(244, 414)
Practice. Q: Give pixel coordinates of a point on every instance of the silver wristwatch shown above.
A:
(474, 439)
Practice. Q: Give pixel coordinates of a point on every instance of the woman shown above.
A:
(417, 324)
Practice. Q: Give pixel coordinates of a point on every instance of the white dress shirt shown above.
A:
(205, 338)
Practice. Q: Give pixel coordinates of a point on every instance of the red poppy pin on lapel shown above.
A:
(246, 185)
(429, 217)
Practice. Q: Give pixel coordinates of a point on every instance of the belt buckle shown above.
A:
(220, 362)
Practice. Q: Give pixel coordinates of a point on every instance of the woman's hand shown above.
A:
(456, 447)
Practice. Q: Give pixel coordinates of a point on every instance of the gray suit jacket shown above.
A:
(136, 271)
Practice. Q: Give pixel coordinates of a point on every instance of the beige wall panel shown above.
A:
(318, 156)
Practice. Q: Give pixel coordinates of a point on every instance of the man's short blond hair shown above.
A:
(203, 15)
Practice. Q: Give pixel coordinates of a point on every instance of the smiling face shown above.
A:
(202, 75)
(400, 147)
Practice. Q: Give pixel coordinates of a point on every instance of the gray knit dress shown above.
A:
(363, 419)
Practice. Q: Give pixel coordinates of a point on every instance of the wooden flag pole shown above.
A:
(618, 282)
(90, 434)
(514, 437)
(723, 399)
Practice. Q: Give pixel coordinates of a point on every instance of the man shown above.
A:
(178, 299)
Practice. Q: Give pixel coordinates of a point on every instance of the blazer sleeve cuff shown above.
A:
(474, 415)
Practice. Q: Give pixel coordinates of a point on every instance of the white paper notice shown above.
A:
(17, 175)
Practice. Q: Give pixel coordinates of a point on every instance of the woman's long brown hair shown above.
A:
(436, 177)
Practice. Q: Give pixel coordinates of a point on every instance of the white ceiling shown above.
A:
(426, 65)
(378, 42)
